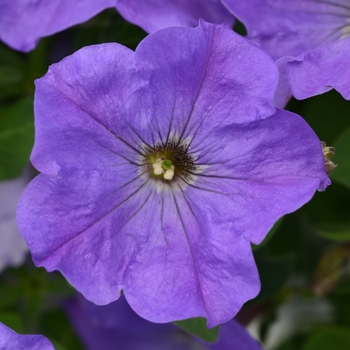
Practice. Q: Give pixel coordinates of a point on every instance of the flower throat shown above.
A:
(167, 161)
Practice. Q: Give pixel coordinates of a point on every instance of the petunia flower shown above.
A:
(310, 38)
(13, 249)
(152, 15)
(24, 22)
(10, 340)
(105, 327)
(160, 166)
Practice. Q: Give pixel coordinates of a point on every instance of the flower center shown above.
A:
(164, 167)
(170, 160)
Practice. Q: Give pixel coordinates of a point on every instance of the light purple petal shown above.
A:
(13, 249)
(152, 15)
(220, 75)
(95, 213)
(116, 323)
(189, 263)
(266, 169)
(291, 27)
(315, 33)
(283, 91)
(10, 340)
(24, 22)
(86, 93)
(102, 327)
(233, 336)
(321, 70)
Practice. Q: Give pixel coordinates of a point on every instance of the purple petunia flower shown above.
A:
(24, 22)
(152, 15)
(10, 340)
(160, 166)
(13, 249)
(105, 327)
(311, 38)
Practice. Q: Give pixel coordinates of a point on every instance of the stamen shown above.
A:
(164, 167)
(169, 174)
(170, 161)
(157, 168)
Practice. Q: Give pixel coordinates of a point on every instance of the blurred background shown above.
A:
(304, 262)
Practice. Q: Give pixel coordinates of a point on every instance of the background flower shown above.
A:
(152, 15)
(314, 35)
(24, 22)
(10, 340)
(30, 298)
(116, 323)
(179, 247)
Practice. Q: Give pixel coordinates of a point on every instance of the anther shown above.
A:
(164, 167)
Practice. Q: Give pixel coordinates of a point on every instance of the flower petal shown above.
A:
(153, 15)
(290, 27)
(104, 326)
(283, 91)
(74, 226)
(124, 328)
(9, 340)
(233, 336)
(321, 70)
(97, 215)
(315, 33)
(186, 264)
(24, 22)
(257, 172)
(210, 71)
(80, 105)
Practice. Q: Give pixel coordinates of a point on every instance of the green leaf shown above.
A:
(198, 327)
(9, 295)
(57, 345)
(293, 343)
(328, 212)
(331, 338)
(274, 273)
(331, 269)
(327, 114)
(12, 73)
(338, 233)
(16, 138)
(342, 158)
(57, 327)
(108, 26)
(12, 320)
(269, 235)
(11, 58)
(9, 75)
